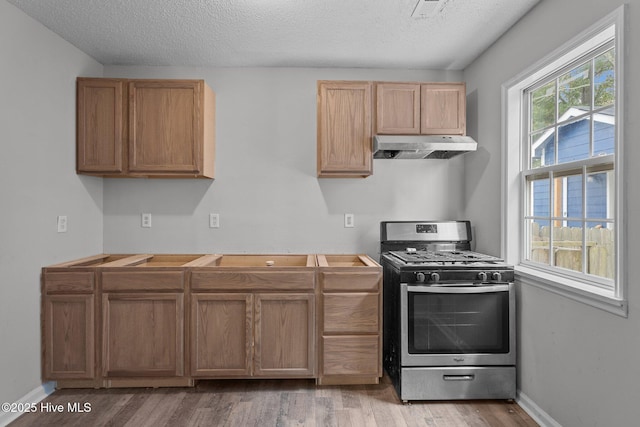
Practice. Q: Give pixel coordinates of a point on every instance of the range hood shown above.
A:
(421, 146)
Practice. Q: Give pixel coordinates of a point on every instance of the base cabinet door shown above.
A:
(284, 336)
(69, 350)
(221, 334)
(143, 335)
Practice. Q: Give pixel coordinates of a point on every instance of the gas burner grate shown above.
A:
(447, 257)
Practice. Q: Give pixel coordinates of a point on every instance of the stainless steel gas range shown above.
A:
(449, 314)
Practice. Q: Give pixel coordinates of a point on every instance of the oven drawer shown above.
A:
(469, 382)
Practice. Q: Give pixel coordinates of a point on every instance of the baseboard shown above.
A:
(34, 396)
(534, 411)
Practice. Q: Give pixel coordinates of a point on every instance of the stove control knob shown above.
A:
(497, 276)
(435, 277)
(482, 276)
(420, 277)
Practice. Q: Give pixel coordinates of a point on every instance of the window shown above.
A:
(562, 145)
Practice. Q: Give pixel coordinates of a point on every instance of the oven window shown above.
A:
(458, 323)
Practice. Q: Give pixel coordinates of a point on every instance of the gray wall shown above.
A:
(577, 363)
(37, 183)
(266, 190)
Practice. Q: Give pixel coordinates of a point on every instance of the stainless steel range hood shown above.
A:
(421, 146)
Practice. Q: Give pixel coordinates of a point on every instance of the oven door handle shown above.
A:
(460, 289)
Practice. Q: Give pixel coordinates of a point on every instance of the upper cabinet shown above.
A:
(421, 108)
(344, 129)
(145, 128)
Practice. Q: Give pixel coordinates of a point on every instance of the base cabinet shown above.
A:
(350, 328)
(69, 327)
(167, 320)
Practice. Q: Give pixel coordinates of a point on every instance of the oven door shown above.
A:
(457, 325)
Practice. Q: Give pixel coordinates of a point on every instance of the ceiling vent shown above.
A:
(428, 8)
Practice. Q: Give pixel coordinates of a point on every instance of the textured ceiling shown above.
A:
(278, 33)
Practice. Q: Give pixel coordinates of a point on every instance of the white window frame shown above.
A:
(513, 191)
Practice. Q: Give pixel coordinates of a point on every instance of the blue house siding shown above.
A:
(573, 144)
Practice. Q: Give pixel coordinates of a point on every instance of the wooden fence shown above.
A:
(567, 248)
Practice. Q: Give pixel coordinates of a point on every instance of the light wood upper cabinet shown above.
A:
(421, 108)
(344, 129)
(397, 108)
(100, 126)
(443, 109)
(149, 128)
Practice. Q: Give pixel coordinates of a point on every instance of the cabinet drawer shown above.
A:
(351, 355)
(77, 282)
(351, 281)
(143, 281)
(351, 313)
(262, 280)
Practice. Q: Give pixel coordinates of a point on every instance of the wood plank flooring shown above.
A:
(268, 403)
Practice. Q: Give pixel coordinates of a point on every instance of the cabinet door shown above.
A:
(165, 126)
(69, 346)
(284, 336)
(221, 334)
(397, 108)
(344, 129)
(100, 126)
(443, 109)
(143, 335)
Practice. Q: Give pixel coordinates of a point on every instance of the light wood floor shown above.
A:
(269, 403)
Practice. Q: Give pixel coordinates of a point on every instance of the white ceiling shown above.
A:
(279, 33)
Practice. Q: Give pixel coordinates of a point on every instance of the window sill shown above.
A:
(572, 289)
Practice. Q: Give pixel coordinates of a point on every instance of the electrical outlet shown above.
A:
(146, 220)
(62, 224)
(349, 220)
(214, 220)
